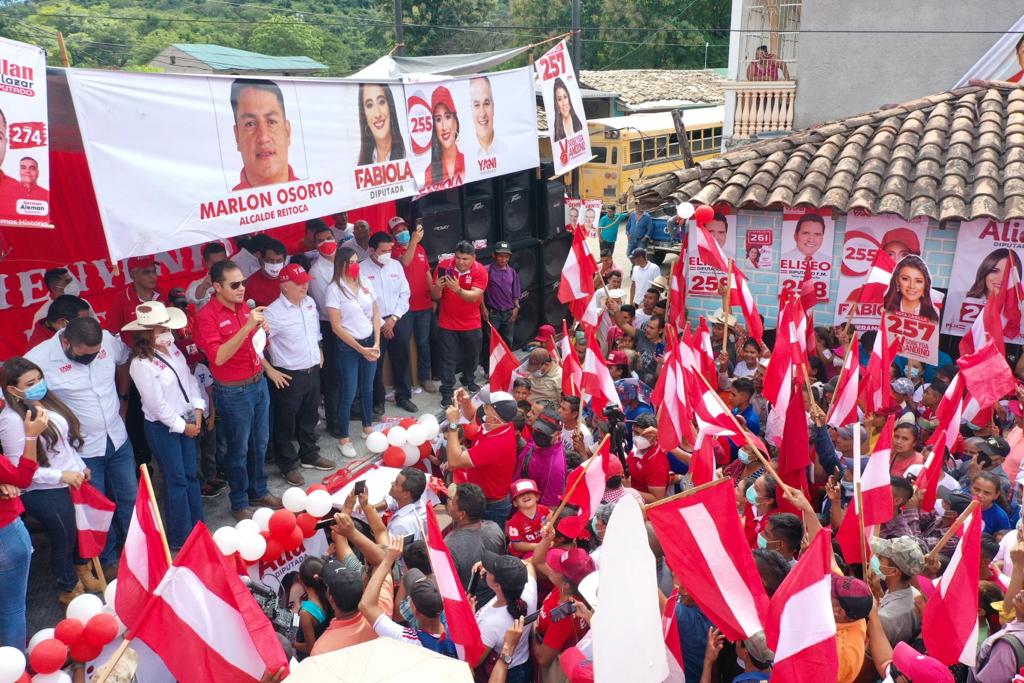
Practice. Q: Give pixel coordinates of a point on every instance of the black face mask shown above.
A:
(84, 358)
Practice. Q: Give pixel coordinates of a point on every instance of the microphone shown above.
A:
(251, 303)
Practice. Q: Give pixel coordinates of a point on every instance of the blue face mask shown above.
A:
(751, 495)
(847, 486)
(762, 542)
(403, 237)
(744, 457)
(36, 392)
(876, 567)
(913, 373)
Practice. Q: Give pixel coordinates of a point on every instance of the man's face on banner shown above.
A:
(28, 170)
(719, 230)
(262, 134)
(482, 100)
(809, 237)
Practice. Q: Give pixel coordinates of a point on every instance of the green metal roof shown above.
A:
(221, 58)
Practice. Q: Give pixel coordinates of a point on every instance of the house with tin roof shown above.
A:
(200, 58)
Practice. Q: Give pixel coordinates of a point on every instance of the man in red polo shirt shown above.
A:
(489, 463)
(413, 257)
(142, 288)
(459, 284)
(225, 329)
(263, 286)
(648, 464)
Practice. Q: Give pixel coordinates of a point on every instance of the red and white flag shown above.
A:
(876, 283)
(93, 514)
(703, 349)
(986, 374)
(741, 295)
(572, 371)
(875, 482)
(595, 309)
(203, 622)
(948, 414)
(677, 293)
(950, 620)
(876, 389)
(587, 486)
(778, 376)
(144, 559)
(800, 628)
(673, 644)
(843, 410)
(712, 417)
(576, 285)
(709, 250)
(462, 626)
(596, 384)
(675, 419)
(707, 550)
(702, 462)
(503, 363)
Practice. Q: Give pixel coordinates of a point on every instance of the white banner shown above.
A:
(984, 248)
(702, 279)
(582, 214)
(912, 310)
(807, 236)
(177, 160)
(24, 137)
(567, 122)
(1004, 61)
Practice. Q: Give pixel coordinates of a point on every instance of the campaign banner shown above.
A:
(910, 313)
(984, 249)
(806, 247)
(702, 279)
(1004, 61)
(24, 137)
(567, 122)
(758, 249)
(180, 159)
(582, 214)
(866, 234)
(281, 575)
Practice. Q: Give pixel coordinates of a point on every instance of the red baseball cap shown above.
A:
(442, 96)
(618, 358)
(905, 236)
(576, 666)
(293, 272)
(521, 486)
(396, 222)
(574, 564)
(614, 468)
(138, 262)
(918, 667)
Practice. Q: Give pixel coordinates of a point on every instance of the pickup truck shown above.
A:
(667, 237)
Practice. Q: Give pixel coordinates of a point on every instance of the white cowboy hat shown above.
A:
(153, 314)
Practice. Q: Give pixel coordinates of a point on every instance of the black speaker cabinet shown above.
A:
(553, 311)
(550, 212)
(515, 209)
(442, 226)
(479, 223)
(526, 260)
(529, 317)
(553, 254)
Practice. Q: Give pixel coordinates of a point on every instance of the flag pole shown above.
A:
(957, 523)
(108, 667)
(97, 569)
(568, 494)
(156, 512)
(726, 308)
(860, 523)
(687, 492)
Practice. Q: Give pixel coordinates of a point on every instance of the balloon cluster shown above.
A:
(406, 443)
(271, 533)
(88, 627)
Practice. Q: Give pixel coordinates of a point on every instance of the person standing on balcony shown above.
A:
(766, 66)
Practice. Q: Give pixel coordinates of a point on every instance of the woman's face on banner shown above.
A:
(911, 283)
(446, 127)
(378, 114)
(562, 103)
(897, 250)
(994, 279)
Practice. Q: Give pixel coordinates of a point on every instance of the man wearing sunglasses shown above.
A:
(225, 330)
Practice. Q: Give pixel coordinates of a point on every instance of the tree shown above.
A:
(287, 36)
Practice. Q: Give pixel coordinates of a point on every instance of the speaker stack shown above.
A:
(479, 219)
(441, 215)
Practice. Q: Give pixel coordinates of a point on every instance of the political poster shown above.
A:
(582, 214)
(205, 157)
(757, 248)
(701, 278)
(281, 575)
(865, 235)
(806, 250)
(24, 137)
(909, 312)
(1004, 61)
(567, 122)
(984, 249)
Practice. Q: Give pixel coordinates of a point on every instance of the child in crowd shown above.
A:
(315, 612)
(523, 529)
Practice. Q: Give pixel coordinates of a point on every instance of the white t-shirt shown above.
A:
(642, 277)
(494, 621)
(741, 370)
(356, 308)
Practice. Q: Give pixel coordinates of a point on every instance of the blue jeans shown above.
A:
(114, 475)
(356, 373)
(54, 510)
(245, 421)
(421, 324)
(499, 511)
(632, 243)
(15, 558)
(176, 455)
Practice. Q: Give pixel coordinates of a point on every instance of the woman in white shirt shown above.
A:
(355, 321)
(48, 498)
(173, 405)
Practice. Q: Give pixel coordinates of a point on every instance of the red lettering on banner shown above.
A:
(226, 207)
(17, 79)
(1002, 232)
(490, 164)
(368, 177)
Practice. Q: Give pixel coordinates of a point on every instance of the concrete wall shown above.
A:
(842, 74)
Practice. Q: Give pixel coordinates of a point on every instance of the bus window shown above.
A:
(648, 149)
(661, 147)
(673, 146)
(600, 155)
(635, 152)
(615, 156)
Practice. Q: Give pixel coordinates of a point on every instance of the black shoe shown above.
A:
(213, 488)
(334, 430)
(407, 405)
(378, 410)
(446, 401)
(472, 387)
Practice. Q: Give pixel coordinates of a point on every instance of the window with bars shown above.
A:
(774, 24)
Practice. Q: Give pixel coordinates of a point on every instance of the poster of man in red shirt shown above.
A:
(263, 133)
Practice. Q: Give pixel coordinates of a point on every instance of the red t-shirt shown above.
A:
(562, 634)
(40, 333)
(122, 311)
(494, 462)
(262, 289)
(215, 324)
(455, 313)
(520, 528)
(416, 273)
(898, 468)
(19, 475)
(650, 470)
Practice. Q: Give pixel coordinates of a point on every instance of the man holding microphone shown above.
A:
(225, 332)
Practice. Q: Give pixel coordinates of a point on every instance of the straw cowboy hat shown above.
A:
(154, 314)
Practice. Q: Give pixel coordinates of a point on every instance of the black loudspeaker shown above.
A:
(515, 208)
(550, 210)
(529, 317)
(526, 261)
(442, 226)
(479, 224)
(553, 311)
(553, 253)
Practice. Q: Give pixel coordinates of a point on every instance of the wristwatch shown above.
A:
(453, 427)
(507, 658)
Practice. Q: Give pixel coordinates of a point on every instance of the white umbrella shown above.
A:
(384, 660)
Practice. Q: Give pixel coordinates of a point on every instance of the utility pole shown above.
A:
(399, 30)
(577, 42)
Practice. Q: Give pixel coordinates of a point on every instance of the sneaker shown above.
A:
(429, 386)
(213, 488)
(407, 405)
(446, 401)
(378, 410)
(320, 464)
(244, 513)
(472, 387)
(268, 501)
(389, 396)
(294, 477)
(417, 390)
(347, 449)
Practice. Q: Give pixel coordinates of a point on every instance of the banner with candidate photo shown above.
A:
(701, 278)
(984, 249)
(181, 159)
(24, 137)
(582, 214)
(806, 251)
(563, 106)
(911, 310)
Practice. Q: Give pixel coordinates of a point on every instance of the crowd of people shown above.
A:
(213, 381)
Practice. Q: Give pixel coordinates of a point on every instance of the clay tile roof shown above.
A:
(641, 89)
(957, 155)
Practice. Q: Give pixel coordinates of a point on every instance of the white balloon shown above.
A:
(412, 455)
(262, 518)
(247, 526)
(44, 634)
(12, 664)
(415, 435)
(427, 418)
(84, 607)
(294, 500)
(251, 546)
(111, 591)
(376, 442)
(396, 436)
(318, 503)
(685, 210)
(226, 539)
(55, 677)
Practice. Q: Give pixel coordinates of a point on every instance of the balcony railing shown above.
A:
(762, 107)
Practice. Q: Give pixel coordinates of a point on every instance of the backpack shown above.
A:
(1013, 641)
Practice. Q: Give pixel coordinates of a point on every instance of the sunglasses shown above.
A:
(235, 285)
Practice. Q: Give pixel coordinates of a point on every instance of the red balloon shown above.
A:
(48, 656)
(426, 448)
(394, 456)
(703, 214)
(273, 551)
(85, 652)
(69, 631)
(294, 542)
(471, 430)
(316, 487)
(307, 523)
(407, 422)
(25, 678)
(281, 524)
(101, 629)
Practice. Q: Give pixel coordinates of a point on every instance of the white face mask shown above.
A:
(164, 339)
(384, 259)
(73, 288)
(273, 269)
(641, 442)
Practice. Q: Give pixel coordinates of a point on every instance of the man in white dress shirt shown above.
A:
(409, 517)
(322, 272)
(391, 290)
(294, 372)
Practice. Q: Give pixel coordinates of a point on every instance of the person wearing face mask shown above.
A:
(321, 274)
(387, 280)
(410, 253)
(87, 368)
(173, 405)
(894, 564)
(65, 307)
(458, 287)
(545, 376)
(783, 533)
(58, 281)
(543, 459)
(648, 464)
(262, 286)
(761, 496)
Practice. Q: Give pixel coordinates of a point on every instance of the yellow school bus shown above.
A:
(630, 149)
